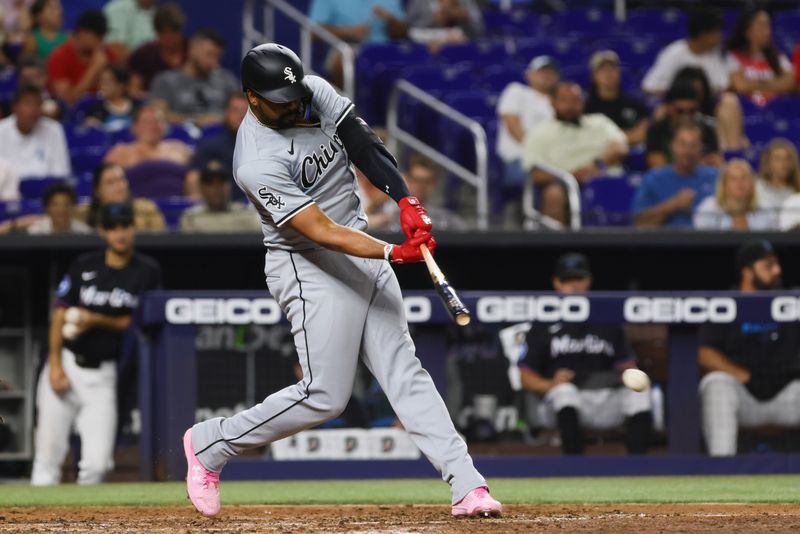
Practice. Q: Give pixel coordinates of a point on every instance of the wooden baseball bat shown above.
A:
(448, 295)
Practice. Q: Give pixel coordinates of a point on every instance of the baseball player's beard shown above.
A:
(763, 285)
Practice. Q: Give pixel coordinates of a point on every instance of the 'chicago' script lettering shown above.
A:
(315, 165)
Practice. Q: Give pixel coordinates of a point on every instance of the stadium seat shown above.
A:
(584, 22)
(8, 85)
(173, 208)
(78, 112)
(187, 134)
(33, 187)
(497, 77)
(87, 147)
(606, 201)
(377, 67)
(156, 179)
(483, 52)
(668, 24)
(783, 107)
(515, 23)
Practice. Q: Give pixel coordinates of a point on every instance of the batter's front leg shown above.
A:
(389, 353)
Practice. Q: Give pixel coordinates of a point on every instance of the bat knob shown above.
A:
(463, 319)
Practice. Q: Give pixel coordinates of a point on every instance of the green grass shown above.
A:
(782, 488)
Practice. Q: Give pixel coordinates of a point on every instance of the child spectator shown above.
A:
(59, 208)
(735, 205)
(115, 110)
(47, 32)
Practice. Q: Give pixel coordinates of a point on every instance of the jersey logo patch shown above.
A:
(88, 275)
(270, 199)
(315, 164)
(289, 75)
(291, 149)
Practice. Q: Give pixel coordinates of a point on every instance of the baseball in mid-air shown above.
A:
(635, 379)
(69, 331)
(72, 315)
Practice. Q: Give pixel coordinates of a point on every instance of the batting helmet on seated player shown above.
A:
(274, 73)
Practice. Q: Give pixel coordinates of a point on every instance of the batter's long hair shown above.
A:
(738, 42)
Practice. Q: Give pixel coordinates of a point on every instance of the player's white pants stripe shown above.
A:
(91, 405)
(349, 308)
(727, 404)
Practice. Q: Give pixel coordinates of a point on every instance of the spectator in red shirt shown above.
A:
(74, 68)
(759, 71)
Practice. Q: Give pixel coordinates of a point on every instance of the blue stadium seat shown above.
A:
(78, 112)
(497, 77)
(783, 107)
(33, 187)
(478, 52)
(584, 22)
(173, 208)
(565, 49)
(8, 85)
(211, 131)
(606, 201)
(183, 133)
(474, 104)
(87, 147)
(515, 23)
(377, 67)
(669, 24)
(156, 179)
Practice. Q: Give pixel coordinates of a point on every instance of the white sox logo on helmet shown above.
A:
(289, 75)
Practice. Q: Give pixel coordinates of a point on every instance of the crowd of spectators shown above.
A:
(126, 85)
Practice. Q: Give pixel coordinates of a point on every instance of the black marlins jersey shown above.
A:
(91, 284)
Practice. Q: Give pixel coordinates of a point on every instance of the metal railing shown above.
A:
(533, 217)
(478, 179)
(308, 30)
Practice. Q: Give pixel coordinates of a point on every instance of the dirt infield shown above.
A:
(361, 519)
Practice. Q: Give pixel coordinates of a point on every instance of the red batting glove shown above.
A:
(409, 251)
(413, 216)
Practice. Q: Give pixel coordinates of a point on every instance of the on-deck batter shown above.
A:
(293, 159)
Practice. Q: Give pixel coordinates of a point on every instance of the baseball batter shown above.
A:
(294, 159)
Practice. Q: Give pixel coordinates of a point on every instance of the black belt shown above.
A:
(86, 363)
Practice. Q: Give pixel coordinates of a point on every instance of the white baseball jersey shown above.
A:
(284, 171)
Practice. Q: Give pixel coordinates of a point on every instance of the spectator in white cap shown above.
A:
(606, 97)
(521, 107)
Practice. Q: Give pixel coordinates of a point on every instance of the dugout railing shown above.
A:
(168, 371)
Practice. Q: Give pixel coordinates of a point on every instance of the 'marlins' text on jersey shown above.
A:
(315, 164)
(589, 344)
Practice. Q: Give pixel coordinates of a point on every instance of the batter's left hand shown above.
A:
(413, 217)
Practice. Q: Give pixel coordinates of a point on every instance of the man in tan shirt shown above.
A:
(587, 146)
(216, 213)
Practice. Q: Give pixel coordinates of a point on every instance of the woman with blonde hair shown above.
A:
(779, 174)
(735, 204)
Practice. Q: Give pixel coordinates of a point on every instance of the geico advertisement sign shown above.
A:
(257, 311)
(785, 309)
(679, 310)
(548, 308)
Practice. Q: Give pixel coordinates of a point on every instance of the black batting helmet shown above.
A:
(275, 73)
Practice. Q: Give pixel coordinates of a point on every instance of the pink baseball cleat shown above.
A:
(478, 503)
(202, 485)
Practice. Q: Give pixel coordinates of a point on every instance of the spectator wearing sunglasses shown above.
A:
(682, 105)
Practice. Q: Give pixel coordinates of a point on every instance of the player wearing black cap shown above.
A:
(752, 369)
(93, 308)
(575, 368)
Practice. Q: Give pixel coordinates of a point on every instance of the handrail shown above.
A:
(478, 179)
(573, 200)
(308, 28)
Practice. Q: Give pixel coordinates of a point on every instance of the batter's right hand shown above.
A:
(58, 379)
(409, 251)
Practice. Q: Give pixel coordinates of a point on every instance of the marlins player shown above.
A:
(575, 368)
(294, 159)
(78, 385)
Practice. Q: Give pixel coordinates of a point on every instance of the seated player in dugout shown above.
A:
(576, 367)
(78, 385)
(751, 369)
